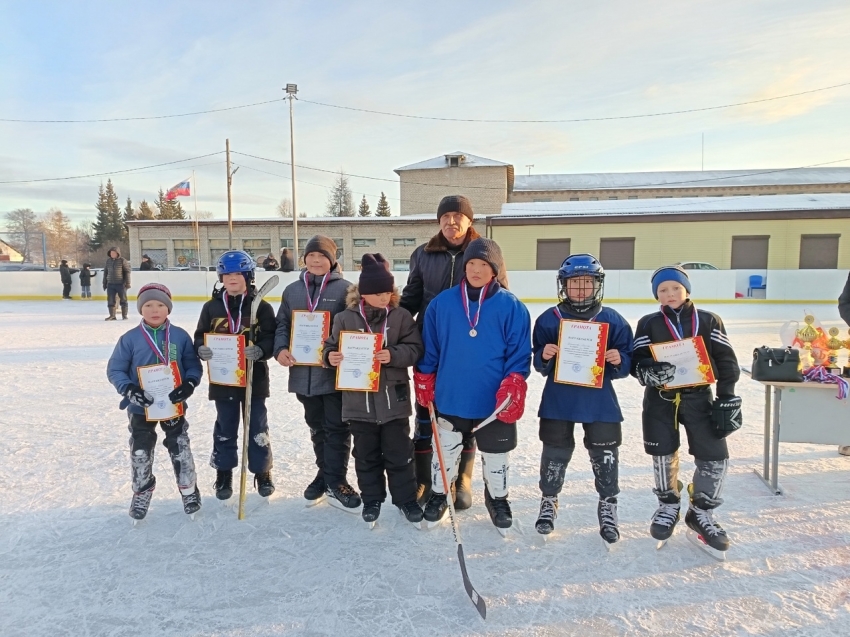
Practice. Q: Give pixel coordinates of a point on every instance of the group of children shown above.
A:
(470, 364)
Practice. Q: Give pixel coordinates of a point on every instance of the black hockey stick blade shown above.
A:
(477, 600)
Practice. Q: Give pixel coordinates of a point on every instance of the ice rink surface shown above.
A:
(71, 563)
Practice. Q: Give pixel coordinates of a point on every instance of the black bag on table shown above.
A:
(777, 364)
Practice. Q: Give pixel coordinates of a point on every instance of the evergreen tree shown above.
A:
(100, 227)
(383, 209)
(116, 229)
(364, 210)
(340, 199)
(145, 211)
(168, 209)
(129, 215)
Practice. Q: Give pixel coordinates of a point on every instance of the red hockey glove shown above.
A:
(513, 387)
(424, 386)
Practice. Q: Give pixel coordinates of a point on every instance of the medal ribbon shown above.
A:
(465, 298)
(235, 328)
(366, 321)
(310, 304)
(152, 342)
(675, 330)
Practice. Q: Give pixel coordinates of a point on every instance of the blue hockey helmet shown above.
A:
(577, 265)
(236, 261)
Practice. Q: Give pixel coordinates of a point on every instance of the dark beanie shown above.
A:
(486, 250)
(323, 244)
(670, 273)
(375, 275)
(454, 203)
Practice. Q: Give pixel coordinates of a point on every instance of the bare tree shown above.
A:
(284, 208)
(25, 230)
(59, 234)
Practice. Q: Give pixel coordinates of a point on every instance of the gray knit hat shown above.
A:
(154, 292)
(323, 244)
(486, 250)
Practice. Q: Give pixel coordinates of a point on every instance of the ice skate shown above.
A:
(548, 512)
(192, 502)
(412, 512)
(141, 502)
(500, 512)
(606, 511)
(344, 498)
(263, 483)
(223, 484)
(665, 518)
(316, 491)
(370, 513)
(706, 533)
(435, 509)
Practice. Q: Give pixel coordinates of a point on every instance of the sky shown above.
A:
(490, 59)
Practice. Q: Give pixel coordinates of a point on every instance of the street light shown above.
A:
(529, 166)
(291, 90)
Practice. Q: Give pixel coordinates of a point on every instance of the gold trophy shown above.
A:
(807, 335)
(833, 344)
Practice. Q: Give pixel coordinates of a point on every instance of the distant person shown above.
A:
(85, 281)
(270, 263)
(287, 264)
(146, 264)
(116, 282)
(65, 273)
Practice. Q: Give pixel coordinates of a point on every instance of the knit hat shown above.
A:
(323, 244)
(375, 275)
(154, 292)
(670, 273)
(486, 250)
(455, 203)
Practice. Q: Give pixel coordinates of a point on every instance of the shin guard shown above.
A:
(496, 467)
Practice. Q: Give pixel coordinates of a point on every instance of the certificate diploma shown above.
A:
(359, 371)
(227, 366)
(307, 336)
(581, 353)
(690, 357)
(159, 381)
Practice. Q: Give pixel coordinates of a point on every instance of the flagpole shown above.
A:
(197, 230)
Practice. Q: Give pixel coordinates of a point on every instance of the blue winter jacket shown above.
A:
(470, 370)
(133, 351)
(572, 402)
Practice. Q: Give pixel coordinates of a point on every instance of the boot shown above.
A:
(141, 501)
(111, 316)
(463, 485)
(412, 511)
(422, 467)
(317, 488)
(263, 483)
(223, 484)
(499, 510)
(124, 312)
(548, 512)
(606, 511)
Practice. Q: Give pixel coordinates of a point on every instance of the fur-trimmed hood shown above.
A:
(352, 297)
(437, 243)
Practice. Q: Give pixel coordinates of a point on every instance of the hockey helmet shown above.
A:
(577, 265)
(236, 261)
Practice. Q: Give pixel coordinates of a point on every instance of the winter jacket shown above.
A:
(574, 402)
(144, 266)
(269, 264)
(116, 270)
(65, 274)
(309, 380)
(86, 276)
(434, 267)
(286, 263)
(133, 351)
(653, 329)
(470, 370)
(213, 319)
(392, 401)
(844, 302)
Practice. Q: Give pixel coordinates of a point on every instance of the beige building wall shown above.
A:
(485, 186)
(660, 243)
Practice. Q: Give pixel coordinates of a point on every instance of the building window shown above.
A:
(157, 251)
(365, 243)
(612, 198)
(357, 264)
(633, 196)
(217, 248)
(573, 198)
(257, 247)
(750, 253)
(302, 243)
(404, 242)
(617, 254)
(546, 200)
(819, 251)
(454, 162)
(664, 196)
(401, 265)
(186, 253)
(551, 253)
(286, 243)
(594, 198)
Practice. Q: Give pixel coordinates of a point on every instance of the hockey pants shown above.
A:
(495, 466)
(228, 426)
(602, 441)
(142, 443)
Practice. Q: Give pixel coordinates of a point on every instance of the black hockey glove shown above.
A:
(138, 396)
(253, 352)
(655, 373)
(726, 415)
(182, 393)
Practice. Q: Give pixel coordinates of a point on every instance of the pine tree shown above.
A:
(145, 211)
(383, 209)
(116, 228)
(100, 227)
(168, 209)
(340, 200)
(129, 215)
(364, 210)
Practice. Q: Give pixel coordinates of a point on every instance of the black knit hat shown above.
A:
(455, 203)
(323, 244)
(486, 250)
(375, 275)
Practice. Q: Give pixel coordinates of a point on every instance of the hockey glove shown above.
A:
(652, 373)
(138, 396)
(726, 415)
(182, 393)
(424, 387)
(205, 353)
(513, 387)
(253, 352)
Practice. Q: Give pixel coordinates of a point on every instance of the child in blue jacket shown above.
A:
(156, 341)
(580, 290)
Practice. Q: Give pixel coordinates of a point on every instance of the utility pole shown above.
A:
(291, 90)
(229, 201)
(529, 166)
(702, 161)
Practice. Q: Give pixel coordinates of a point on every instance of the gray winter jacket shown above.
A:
(392, 401)
(309, 380)
(116, 270)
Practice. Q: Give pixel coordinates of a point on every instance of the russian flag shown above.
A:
(180, 190)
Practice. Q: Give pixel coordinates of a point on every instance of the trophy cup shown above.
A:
(806, 335)
(833, 344)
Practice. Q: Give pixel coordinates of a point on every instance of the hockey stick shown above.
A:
(477, 600)
(267, 287)
(507, 401)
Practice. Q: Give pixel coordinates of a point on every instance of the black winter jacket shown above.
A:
(116, 270)
(844, 302)
(65, 273)
(86, 276)
(213, 319)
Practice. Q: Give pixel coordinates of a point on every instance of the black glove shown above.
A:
(182, 393)
(253, 352)
(726, 415)
(138, 396)
(655, 373)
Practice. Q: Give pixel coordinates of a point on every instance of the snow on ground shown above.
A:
(72, 564)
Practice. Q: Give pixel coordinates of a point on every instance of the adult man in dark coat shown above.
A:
(116, 282)
(287, 264)
(146, 263)
(436, 266)
(65, 274)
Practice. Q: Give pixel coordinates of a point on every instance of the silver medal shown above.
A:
(473, 333)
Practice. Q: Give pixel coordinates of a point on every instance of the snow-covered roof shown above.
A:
(470, 161)
(682, 179)
(282, 220)
(680, 205)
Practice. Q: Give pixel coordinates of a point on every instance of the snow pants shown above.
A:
(142, 443)
(665, 410)
(116, 292)
(331, 437)
(602, 441)
(228, 423)
(66, 290)
(381, 450)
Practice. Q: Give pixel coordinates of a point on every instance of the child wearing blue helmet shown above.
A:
(581, 281)
(229, 312)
